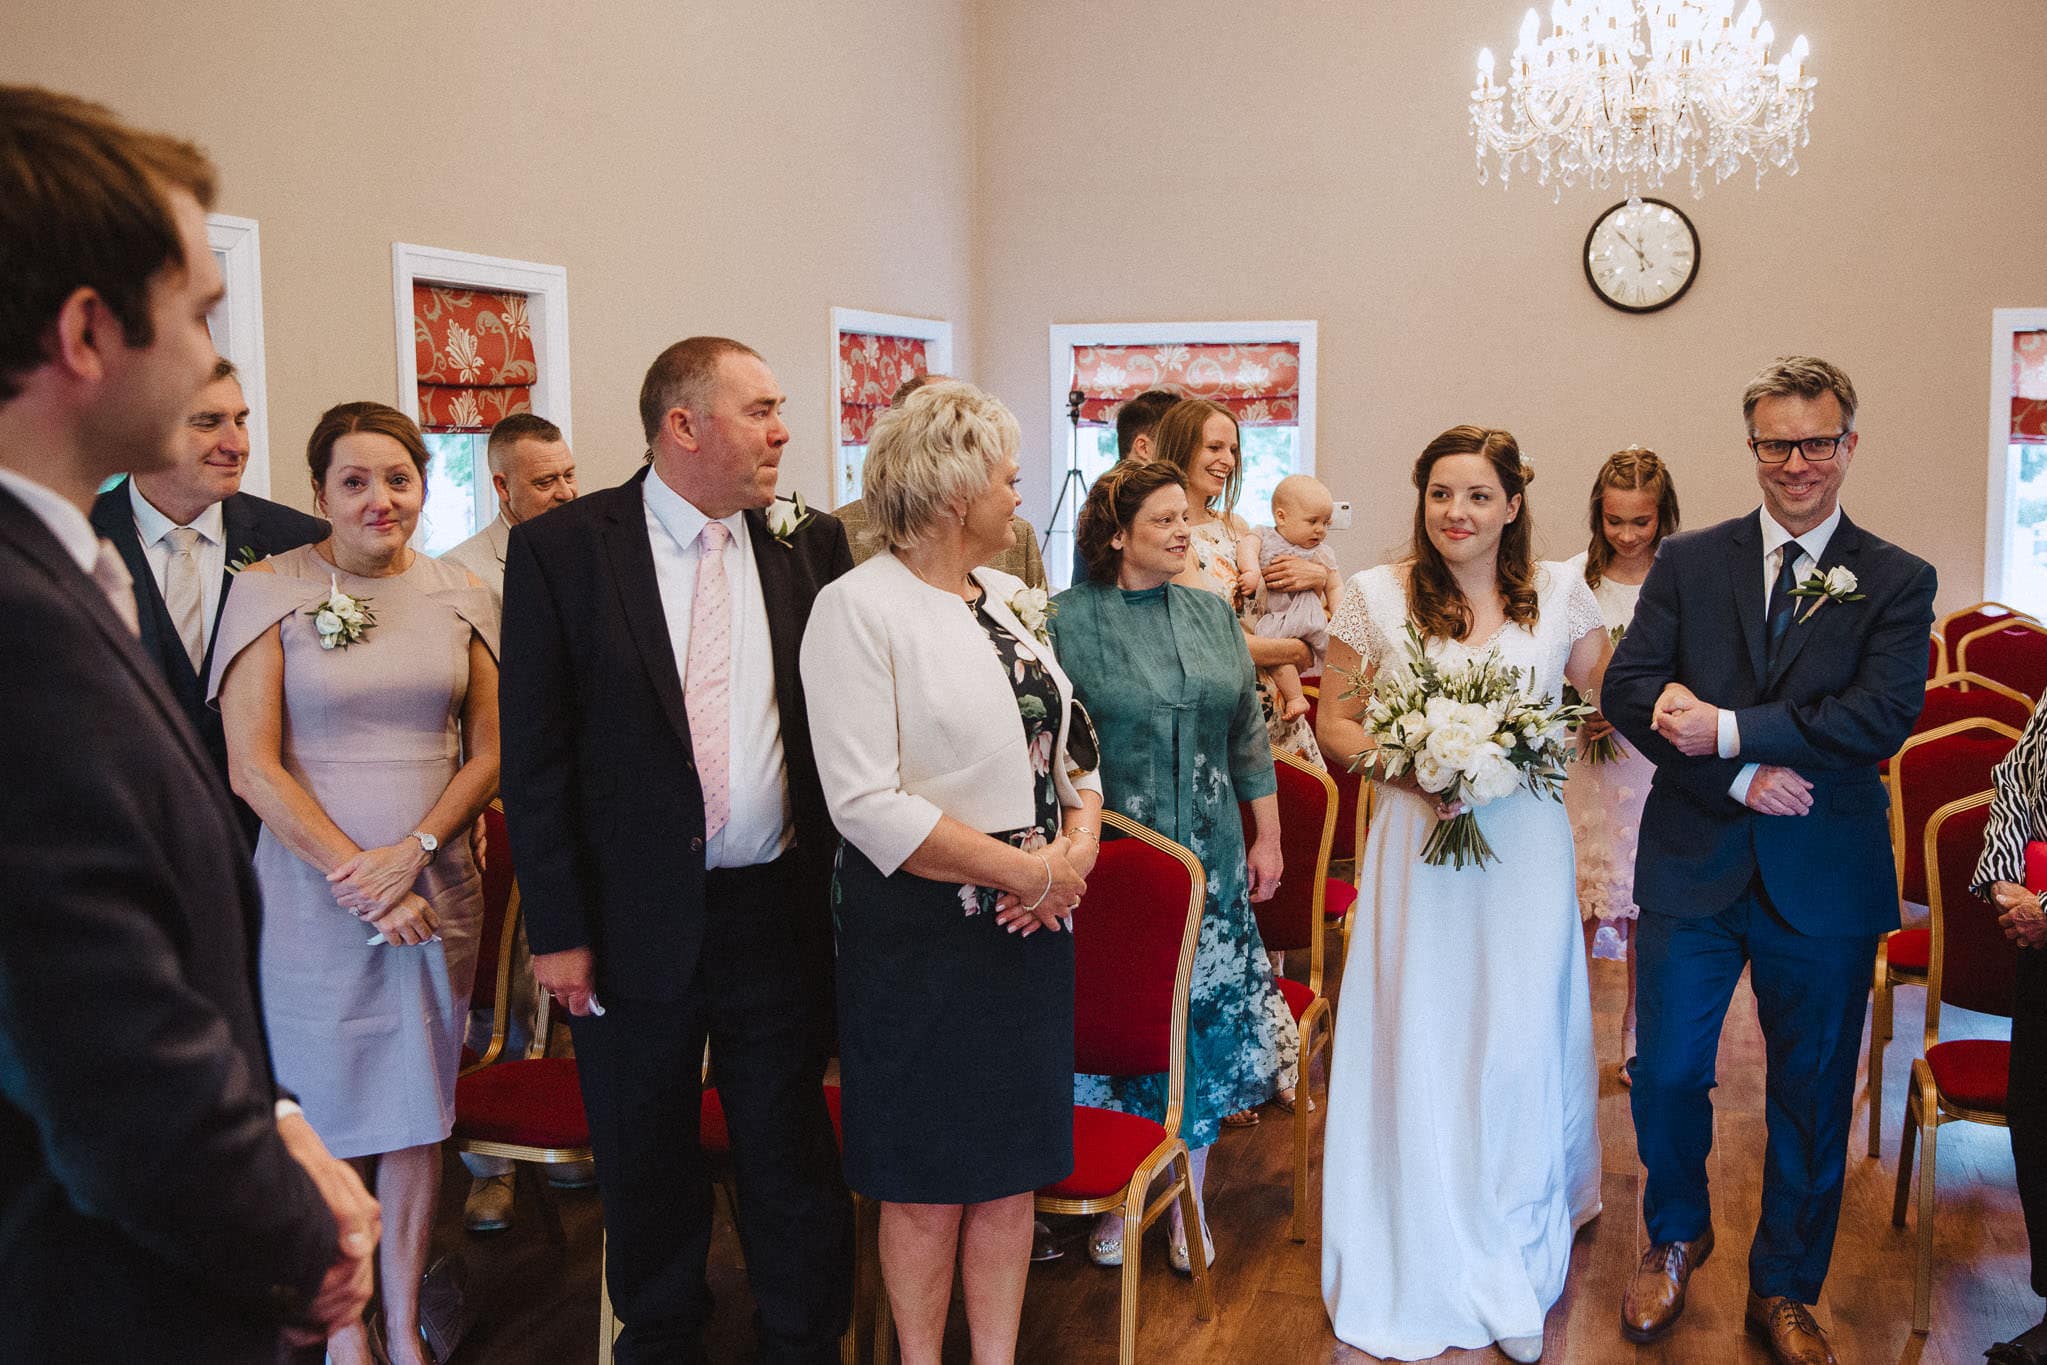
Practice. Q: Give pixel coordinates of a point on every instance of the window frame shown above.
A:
(2001, 483)
(546, 288)
(239, 244)
(935, 333)
(1065, 337)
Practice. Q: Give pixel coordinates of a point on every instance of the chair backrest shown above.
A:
(1966, 696)
(1952, 627)
(500, 927)
(1292, 918)
(1133, 958)
(2012, 652)
(1930, 770)
(1936, 654)
(1972, 966)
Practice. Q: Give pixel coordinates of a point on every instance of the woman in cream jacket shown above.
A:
(941, 723)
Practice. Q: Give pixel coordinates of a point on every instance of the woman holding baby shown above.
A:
(1200, 439)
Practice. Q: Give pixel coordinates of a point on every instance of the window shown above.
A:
(479, 339)
(1264, 372)
(2015, 560)
(872, 354)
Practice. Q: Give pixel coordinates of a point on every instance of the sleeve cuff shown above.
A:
(1730, 739)
(286, 1108)
(1738, 789)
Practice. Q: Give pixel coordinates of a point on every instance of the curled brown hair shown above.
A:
(1434, 601)
(377, 419)
(1112, 504)
(1177, 442)
(83, 206)
(1633, 470)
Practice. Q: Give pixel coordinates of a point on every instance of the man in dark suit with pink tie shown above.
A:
(675, 851)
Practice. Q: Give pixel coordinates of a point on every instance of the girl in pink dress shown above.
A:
(1633, 507)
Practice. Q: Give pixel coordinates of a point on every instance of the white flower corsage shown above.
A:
(1835, 585)
(1033, 609)
(786, 516)
(341, 620)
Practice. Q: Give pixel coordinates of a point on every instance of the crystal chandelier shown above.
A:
(1627, 92)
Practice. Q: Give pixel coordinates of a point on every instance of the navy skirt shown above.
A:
(955, 1043)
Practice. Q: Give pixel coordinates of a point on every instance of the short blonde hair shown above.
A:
(943, 446)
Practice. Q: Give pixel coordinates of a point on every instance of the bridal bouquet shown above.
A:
(1605, 749)
(1470, 735)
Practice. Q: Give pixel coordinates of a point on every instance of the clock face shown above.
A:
(1641, 256)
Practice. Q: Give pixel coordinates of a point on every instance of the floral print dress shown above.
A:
(955, 1035)
(1167, 678)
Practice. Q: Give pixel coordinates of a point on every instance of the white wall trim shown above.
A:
(935, 333)
(1065, 336)
(241, 317)
(2003, 479)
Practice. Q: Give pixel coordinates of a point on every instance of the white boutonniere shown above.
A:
(244, 557)
(1835, 585)
(1033, 609)
(341, 620)
(786, 516)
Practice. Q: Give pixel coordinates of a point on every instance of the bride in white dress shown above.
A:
(1462, 1148)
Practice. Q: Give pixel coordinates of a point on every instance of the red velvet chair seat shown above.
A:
(1972, 1072)
(714, 1138)
(533, 1103)
(1337, 898)
(1909, 950)
(1298, 996)
(1108, 1146)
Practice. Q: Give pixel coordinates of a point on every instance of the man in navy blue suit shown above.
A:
(1773, 662)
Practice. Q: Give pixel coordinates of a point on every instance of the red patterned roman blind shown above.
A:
(871, 369)
(1260, 381)
(475, 356)
(2029, 387)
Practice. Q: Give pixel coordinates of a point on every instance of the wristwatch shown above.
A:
(426, 841)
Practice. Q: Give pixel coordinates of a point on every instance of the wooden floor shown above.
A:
(537, 1303)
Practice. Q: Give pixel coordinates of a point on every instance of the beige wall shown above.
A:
(1304, 159)
(696, 167)
(703, 167)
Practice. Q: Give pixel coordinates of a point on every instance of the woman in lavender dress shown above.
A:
(367, 740)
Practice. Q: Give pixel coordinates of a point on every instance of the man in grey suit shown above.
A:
(532, 470)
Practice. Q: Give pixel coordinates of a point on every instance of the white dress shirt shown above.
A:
(155, 529)
(759, 826)
(1812, 547)
(71, 527)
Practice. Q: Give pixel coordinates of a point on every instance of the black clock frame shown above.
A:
(1698, 258)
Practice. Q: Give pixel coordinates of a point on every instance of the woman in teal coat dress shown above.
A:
(1164, 672)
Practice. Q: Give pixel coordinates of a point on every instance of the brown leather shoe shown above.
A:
(1795, 1339)
(1656, 1294)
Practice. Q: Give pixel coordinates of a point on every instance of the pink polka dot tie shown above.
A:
(707, 684)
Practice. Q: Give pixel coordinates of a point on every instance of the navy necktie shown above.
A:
(1777, 623)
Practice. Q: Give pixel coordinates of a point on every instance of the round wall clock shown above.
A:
(1641, 255)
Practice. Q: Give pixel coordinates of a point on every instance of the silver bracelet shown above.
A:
(1048, 884)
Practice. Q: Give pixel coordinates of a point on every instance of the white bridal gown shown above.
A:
(1462, 1149)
